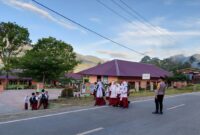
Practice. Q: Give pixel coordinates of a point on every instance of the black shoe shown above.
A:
(161, 112)
(155, 112)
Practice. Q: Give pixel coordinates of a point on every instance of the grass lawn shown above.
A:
(89, 101)
(67, 102)
(169, 91)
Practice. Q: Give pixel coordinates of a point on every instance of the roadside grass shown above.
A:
(67, 102)
(89, 101)
(169, 91)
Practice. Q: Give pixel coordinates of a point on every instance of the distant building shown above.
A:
(139, 75)
(74, 76)
(14, 81)
(193, 74)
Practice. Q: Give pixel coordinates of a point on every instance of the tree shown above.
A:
(192, 59)
(48, 60)
(99, 63)
(145, 59)
(12, 40)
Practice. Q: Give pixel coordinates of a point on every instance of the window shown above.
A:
(105, 79)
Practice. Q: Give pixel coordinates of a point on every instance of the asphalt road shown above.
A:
(181, 117)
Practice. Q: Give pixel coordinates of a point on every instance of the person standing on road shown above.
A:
(33, 101)
(108, 92)
(26, 100)
(43, 98)
(47, 99)
(119, 88)
(113, 95)
(99, 95)
(159, 96)
(124, 95)
(95, 90)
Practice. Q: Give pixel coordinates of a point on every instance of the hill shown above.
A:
(87, 61)
(175, 62)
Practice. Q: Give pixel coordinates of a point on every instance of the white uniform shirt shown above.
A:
(108, 91)
(113, 91)
(124, 92)
(118, 89)
(26, 99)
(99, 90)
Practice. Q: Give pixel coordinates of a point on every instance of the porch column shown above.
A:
(151, 86)
(137, 86)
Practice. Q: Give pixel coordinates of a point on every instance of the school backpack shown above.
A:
(33, 100)
(43, 97)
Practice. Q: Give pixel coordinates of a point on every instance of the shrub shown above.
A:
(67, 92)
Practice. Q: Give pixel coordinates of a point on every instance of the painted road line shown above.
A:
(91, 131)
(50, 115)
(172, 96)
(174, 107)
(80, 110)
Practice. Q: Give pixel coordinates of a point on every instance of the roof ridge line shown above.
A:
(117, 68)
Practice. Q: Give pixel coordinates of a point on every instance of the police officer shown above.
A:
(159, 96)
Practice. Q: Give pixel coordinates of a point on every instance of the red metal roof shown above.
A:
(15, 77)
(74, 76)
(125, 69)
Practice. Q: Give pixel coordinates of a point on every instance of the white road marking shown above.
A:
(80, 110)
(172, 96)
(90, 131)
(50, 115)
(174, 107)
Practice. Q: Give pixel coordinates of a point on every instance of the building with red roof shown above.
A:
(138, 74)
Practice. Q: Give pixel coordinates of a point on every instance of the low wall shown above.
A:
(179, 84)
(15, 98)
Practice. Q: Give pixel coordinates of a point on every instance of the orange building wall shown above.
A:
(111, 79)
(1, 88)
(143, 84)
(92, 79)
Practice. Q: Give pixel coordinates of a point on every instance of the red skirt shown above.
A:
(26, 106)
(107, 98)
(100, 101)
(125, 102)
(113, 101)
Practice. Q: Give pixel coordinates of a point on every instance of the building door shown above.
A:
(98, 78)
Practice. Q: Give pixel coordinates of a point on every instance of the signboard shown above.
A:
(146, 76)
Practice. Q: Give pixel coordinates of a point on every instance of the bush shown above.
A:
(67, 92)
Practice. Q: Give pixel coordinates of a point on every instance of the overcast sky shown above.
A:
(176, 26)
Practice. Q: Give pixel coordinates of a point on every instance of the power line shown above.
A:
(115, 12)
(118, 14)
(139, 16)
(124, 18)
(86, 28)
(126, 10)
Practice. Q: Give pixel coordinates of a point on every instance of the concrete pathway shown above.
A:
(12, 101)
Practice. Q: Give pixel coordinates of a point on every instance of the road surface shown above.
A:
(181, 117)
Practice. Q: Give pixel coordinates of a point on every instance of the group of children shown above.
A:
(116, 94)
(37, 100)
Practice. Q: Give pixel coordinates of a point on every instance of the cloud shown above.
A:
(184, 2)
(168, 2)
(160, 43)
(95, 19)
(144, 35)
(19, 4)
(159, 20)
(193, 2)
(126, 55)
(113, 54)
(191, 23)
